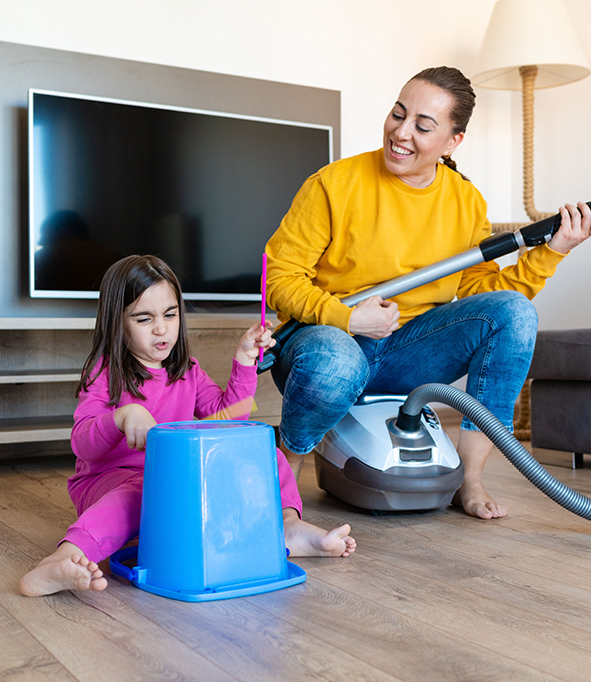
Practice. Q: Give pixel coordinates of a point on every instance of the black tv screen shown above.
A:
(202, 190)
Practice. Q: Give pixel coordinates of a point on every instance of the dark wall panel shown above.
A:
(23, 67)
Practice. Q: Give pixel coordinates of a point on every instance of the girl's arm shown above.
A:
(99, 427)
(134, 421)
(255, 338)
(237, 400)
(95, 433)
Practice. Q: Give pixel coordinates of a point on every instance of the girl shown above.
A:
(139, 373)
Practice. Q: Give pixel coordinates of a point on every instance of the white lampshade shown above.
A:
(526, 33)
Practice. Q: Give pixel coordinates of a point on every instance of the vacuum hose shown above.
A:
(409, 419)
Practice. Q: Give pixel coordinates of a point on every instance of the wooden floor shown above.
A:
(436, 596)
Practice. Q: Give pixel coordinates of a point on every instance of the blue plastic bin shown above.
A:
(211, 522)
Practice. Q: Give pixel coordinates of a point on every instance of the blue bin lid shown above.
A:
(204, 424)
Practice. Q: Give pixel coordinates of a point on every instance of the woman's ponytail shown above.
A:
(450, 163)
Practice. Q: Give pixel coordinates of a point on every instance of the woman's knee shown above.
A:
(513, 312)
(323, 373)
(324, 354)
(519, 314)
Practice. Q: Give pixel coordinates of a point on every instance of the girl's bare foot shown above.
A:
(475, 501)
(304, 539)
(66, 569)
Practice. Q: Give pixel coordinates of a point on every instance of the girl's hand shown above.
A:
(374, 318)
(256, 337)
(135, 422)
(574, 228)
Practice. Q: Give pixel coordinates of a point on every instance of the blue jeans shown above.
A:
(322, 370)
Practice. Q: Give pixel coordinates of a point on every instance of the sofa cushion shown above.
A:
(560, 415)
(563, 355)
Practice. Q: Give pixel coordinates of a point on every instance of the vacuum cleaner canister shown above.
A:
(368, 462)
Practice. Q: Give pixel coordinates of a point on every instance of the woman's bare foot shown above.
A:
(475, 501)
(66, 569)
(474, 448)
(304, 539)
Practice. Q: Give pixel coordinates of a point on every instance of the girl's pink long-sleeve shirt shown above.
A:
(100, 446)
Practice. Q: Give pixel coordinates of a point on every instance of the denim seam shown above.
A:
(425, 335)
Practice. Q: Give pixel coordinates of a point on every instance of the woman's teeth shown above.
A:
(399, 150)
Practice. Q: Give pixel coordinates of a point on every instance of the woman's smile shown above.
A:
(397, 150)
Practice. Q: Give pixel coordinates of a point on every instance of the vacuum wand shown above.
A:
(495, 246)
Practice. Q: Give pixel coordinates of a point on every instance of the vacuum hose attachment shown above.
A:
(535, 234)
(513, 450)
(543, 230)
(281, 337)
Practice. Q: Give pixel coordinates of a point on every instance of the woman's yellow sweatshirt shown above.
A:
(353, 225)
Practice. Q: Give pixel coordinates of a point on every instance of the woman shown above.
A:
(367, 219)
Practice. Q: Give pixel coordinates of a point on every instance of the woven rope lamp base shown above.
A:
(522, 425)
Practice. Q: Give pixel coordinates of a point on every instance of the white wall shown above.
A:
(366, 49)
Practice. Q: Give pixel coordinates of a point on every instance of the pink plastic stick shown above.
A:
(263, 300)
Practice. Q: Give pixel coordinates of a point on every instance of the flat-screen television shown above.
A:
(203, 190)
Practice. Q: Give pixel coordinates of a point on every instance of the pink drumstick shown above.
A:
(263, 299)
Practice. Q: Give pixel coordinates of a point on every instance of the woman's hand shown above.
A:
(574, 228)
(375, 318)
(256, 337)
(135, 422)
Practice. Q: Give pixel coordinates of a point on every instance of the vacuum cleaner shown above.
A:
(390, 452)
(368, 461)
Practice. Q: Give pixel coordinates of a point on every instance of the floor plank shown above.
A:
(396, 642)
(38, 520)
(239, 635)
(23, 658)
(475, 616)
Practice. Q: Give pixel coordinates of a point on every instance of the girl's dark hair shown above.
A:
(123, 283)
(454, 82)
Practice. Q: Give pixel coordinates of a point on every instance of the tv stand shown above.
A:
(41, 359)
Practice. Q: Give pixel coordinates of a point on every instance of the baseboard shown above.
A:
(557, 458)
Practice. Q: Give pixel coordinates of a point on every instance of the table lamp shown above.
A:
(529, 44)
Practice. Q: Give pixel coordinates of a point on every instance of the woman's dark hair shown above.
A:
(454, 82)
(123, 283)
